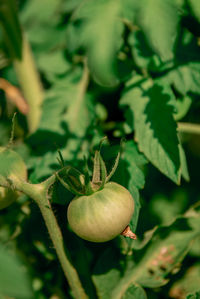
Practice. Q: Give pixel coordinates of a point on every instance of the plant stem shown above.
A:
(189, 128)
(29, 80)
(38, 192)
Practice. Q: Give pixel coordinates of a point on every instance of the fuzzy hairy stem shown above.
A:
(38, 192)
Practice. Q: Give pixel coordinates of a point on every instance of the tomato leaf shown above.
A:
(195, 8)
(159, 20)
(101, 36)
(162, 254)
(186, 78)
(189, 283)
(195, 295)
(134, 291)
(14, 280)
(150, 113)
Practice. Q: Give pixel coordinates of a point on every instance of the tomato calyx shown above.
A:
(81, 183)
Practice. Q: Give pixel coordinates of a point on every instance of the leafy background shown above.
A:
(121, 69)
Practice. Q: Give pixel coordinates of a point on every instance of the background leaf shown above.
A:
(101, 36)
(134, 291)
(159, 19)
(195, 8)
(14, 281)
(188, 284)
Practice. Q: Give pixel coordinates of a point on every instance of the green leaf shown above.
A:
(184, 168)
(70, 5)
(130, 174)
(53, 64)
(129, 10)
(106, 276)
(72, 179)
(11, 28)
(195, 6)
(40, 37)
(150, 266)
(132, 165)
(159, 19)
(101, 36)
(68, 106)
(40, 11)
(182, 107)
(134, 291)
(167, 247)
(189, 283)
(135, 162)
(165, 208)
(151, 112)
(194, 251)
(186, 78)
(194, 296)
(141, 51)
(136, 196)
(14, 281)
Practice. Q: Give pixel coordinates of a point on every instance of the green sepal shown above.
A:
(88, 186)
(96, 169)
(114, 167)
(76, 178)
(72, 179)
(67, 186)
(101, 142)
(116, 161)
(60, 159)
(103, 172)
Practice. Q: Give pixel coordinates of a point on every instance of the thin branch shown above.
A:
(189, 128)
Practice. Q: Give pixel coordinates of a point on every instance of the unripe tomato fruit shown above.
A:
(7, 197)
(103, 215)
(10, 164)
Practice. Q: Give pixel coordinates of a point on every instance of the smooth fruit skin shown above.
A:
(10, 164)
(102, 216)
(7, 197)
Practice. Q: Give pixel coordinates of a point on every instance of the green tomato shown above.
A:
(7, 197)
(103, 215)
(10, 164)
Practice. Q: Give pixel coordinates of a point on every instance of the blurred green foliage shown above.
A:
(120, 68)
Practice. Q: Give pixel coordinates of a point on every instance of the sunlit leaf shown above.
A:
(157, 141)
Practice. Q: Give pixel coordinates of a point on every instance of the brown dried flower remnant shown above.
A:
(128, 233)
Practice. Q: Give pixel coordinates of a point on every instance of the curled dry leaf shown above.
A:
(128, 233)
(14, 95)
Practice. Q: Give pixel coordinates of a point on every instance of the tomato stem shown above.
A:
(188, 128)
(39, 193)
